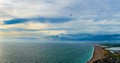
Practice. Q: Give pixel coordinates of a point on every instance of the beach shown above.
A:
(98, 54)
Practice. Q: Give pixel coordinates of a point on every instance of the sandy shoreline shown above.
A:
(98, 54)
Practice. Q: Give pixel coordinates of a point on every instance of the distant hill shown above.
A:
(86, 37)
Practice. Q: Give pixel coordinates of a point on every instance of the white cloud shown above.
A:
(54, 32)
(79, 8)
(39, 27)
(31, 8)
(90, 26)
(28, 25)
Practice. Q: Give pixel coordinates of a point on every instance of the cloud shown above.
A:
(52, 8)
(52, 17)
(91, 26)
(29, 34)
(28, 25)
(74, 26)
(15, 21)
(29, 8)
(39, 19)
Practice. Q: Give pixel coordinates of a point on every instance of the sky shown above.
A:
(40, 19)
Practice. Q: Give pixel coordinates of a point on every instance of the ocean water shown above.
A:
(45, 52)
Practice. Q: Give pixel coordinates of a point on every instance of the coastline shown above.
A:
(91, 54)
(98, 53)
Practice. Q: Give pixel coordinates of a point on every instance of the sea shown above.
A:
(34, 52)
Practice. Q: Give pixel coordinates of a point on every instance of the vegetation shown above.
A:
(111, 44)
(114, 56)
(109, 58)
